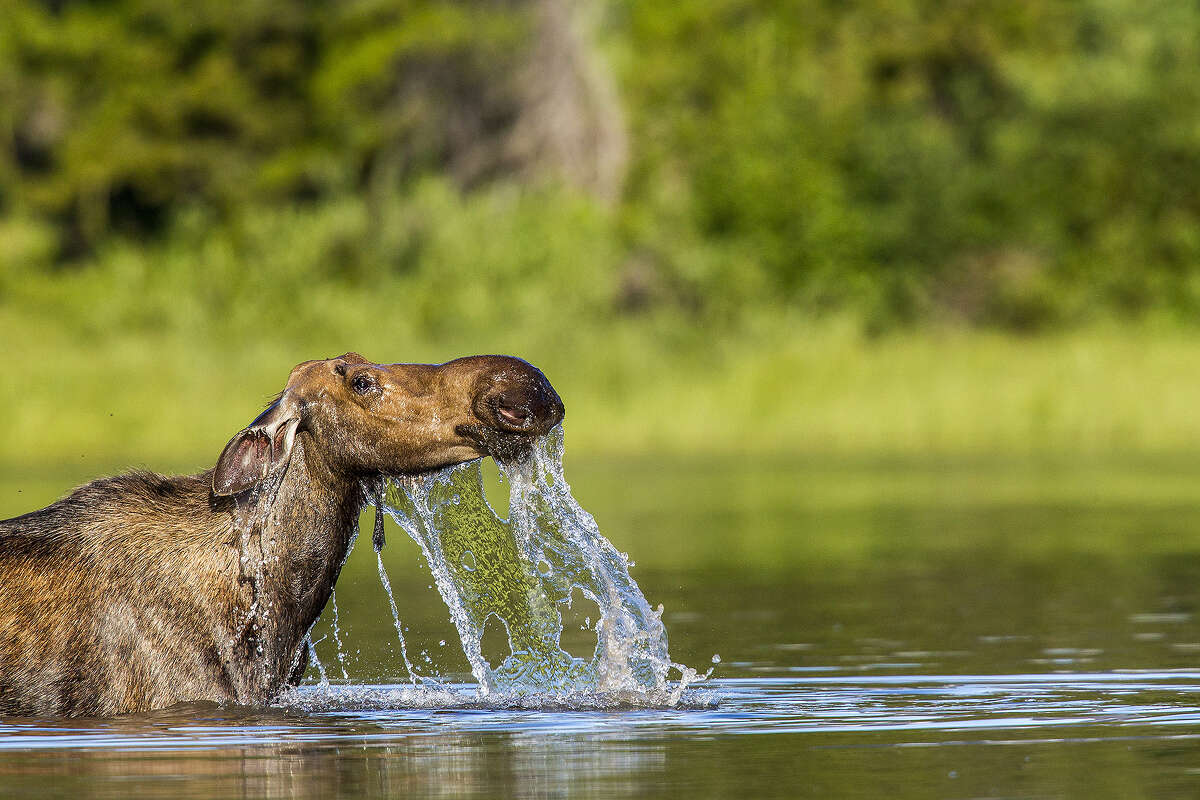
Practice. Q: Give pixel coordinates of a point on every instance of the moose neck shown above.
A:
(294, 537)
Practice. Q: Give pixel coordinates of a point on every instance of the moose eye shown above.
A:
(363, 383)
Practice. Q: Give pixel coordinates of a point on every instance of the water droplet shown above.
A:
(548, 549)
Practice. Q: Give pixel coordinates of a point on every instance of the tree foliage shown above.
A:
(1011, 164)
(120, 113)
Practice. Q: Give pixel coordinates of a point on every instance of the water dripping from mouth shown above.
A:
(387, 586)
(337, 636)
(524, 571)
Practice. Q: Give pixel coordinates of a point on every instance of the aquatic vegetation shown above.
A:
(524, 571)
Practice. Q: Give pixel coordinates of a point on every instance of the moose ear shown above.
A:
(255, 452)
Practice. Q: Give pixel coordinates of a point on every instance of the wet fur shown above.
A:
(130, 593)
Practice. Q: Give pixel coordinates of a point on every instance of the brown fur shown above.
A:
(140, 591)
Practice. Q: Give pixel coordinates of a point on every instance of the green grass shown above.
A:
(157, 355)
(794, 387)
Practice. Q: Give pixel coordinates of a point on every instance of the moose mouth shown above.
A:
(502, 445)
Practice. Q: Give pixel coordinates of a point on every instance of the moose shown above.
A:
(141, 591)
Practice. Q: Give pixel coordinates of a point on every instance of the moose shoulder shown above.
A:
(140, 591)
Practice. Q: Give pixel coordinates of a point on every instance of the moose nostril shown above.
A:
(518, 417)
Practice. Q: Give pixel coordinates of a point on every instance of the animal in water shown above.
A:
(141, 591)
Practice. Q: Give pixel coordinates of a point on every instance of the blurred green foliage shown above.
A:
(1017, 165)
(116, 116)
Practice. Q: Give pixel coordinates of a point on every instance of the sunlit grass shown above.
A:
(156, 355)
(824, 389)
(816, 390)
(800, 388)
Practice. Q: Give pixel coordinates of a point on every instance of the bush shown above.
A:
(1023, 166)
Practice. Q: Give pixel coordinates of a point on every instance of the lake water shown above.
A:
(966, 629)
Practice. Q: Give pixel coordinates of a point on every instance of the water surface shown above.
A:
(900, 630)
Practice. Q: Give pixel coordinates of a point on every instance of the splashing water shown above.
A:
(337, 636)
(312, 654)
(523, 570)
(387, 585)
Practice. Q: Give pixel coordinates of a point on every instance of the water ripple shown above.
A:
(921, 709)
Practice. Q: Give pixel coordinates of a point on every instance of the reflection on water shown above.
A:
(880, 637)
(448, 766)
(449, 747)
